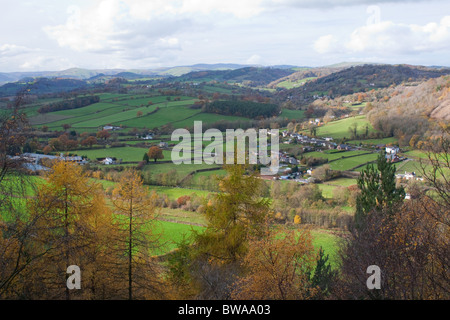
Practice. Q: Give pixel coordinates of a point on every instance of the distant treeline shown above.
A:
(248, 109)
(69, 104)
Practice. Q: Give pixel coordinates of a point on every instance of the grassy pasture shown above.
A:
(390, 140)
(112, 109)
(205, 118)
(334, 155)
(349, 163)
(342, 182)
(174, 193)
(181, 169)
(124, 153)
(292, 114)
(289, 84)
(161, 117)
(340, 128)
(329, 244)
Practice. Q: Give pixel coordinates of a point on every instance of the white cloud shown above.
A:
(387, 37)
(11, 50)
(254, 59)
(168, 43)
(326, 44)
(89, 29)
(332, 3)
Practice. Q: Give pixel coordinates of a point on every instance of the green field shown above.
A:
(350, 163)
(292, 114)
(125, 153)
(340, 129)
(182, 216)
(289, 84)
(343, 182)
(171, 234)
(373, 142)
(182, 169)
(205, 118)
(329, 243)
(327, 190)
(161, 117)
(334, 154)
(174, 193)
(113, 109)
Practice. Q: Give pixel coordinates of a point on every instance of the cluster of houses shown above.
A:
(326, 142)
(111, 128)
(408, 176)
(285, 158)
(33, 161)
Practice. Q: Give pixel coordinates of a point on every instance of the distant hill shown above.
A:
(315, 72)
(43, 86)
(358, 79)
(251, 76)
(84, 74)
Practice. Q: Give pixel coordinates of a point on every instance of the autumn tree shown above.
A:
(65, 203)
(16, 231)
(89, 141)
(47, 149)
(408, 246)
(278, 267)
(137, 213)
(103, 134)
(155, 153)
(100, 275)
(234, 215)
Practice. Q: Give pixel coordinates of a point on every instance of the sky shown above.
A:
(52, 35)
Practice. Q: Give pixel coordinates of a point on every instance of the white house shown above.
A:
(392, 150)
(107, 161)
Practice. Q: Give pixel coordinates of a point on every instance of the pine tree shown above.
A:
(378, 189)
(324, 275)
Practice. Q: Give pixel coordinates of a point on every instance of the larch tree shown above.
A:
(17, 253)
(136, 217)
(234, 215)
(64, 205)
(278, 267)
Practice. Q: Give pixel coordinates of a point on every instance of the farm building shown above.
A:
(33, 161)
(392, 150)
(107, 160)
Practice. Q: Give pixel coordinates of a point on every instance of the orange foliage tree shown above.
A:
(278, 267)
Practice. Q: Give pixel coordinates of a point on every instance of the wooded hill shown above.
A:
(251, 76)
(358, 79)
